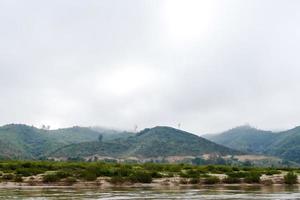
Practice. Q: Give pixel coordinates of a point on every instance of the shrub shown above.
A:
(31, 181)
(88, 176)
(210, 168)
(235, 169)
(272, 172)
(141, 177)
(23, 172)
(18, 179)
(153, 167)
(50, 178)
(183, 181)
(237, 174)
(253, 177)
(8, 177)
(290, 178)
(155, 174)
(123, 171)
(62, 174)
(211, 180)
(26, 165)
(29, 171)
(194, 181)
(174, 168)
(190, 173)
(223, 169)
(12, 166)
(169, 174)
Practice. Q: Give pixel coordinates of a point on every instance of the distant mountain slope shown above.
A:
(285, 144)
(25, 142)
(245, 138)
(74, 134)
(166, 141)
(78, 134)
(19, 141)
(154, 142)
(9, 151)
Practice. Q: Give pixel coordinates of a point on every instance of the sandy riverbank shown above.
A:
(104, 182)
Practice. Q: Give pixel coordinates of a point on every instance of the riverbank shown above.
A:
(106, 175)
(171, 182)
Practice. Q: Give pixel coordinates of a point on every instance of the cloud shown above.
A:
(208, 65)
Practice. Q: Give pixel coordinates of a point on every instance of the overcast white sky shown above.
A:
(207, 64)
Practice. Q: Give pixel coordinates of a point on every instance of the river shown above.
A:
(204, 193)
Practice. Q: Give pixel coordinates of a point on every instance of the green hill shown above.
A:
(25, 142)
(78, 134)
(285, 144)
(19, 141)
(245, 138)
(154, 142)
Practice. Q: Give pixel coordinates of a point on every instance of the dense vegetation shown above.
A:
(290, 178)
(244, 138)
(72, 172)
(27, 142)
(156, 144)
(285, 145)
(149, 143)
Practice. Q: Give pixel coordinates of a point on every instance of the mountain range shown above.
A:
(150, 143)
(19, 141)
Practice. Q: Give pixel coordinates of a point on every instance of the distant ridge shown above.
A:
(19, 141)
(244, 138)
(154, 142)
(284, 144)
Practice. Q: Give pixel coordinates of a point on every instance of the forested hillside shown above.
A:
(285, 144)
(154, 142)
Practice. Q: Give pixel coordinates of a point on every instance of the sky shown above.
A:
(208, 65)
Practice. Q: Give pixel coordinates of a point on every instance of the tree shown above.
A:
(46, 127)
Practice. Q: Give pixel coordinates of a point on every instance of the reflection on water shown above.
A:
(224, 193)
